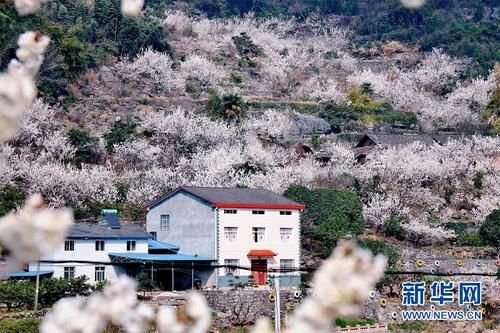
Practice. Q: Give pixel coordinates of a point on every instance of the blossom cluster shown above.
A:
(118, 305)
(416, 182)
(17, 87)
(33, 232)
(423, 90)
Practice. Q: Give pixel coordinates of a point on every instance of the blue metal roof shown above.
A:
(156, 245)
(139, 256)
(28, 273)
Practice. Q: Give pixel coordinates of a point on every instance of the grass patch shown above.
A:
(298, 107)
(10, 325)
(343, 323)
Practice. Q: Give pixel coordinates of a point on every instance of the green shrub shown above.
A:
(363, 108)
(335, 213)
(191, 90)
(236, 78)
(51, 290)
(478, 179)
(10, 325)
(490, 229)
(470, 239)
(119, 133)
(245, 45)
(416, 326)
(392, 227)
(465, 238)
(84, 144)
(16, 294)
(230, 107)
(315, 138)
(93, 210)
(144, 282)
(11, 197)
(367, 88)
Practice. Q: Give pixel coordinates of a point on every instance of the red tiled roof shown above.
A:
(261, 253)
(256, 205)
(224, 197)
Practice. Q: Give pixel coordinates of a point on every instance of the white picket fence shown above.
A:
(376, 328)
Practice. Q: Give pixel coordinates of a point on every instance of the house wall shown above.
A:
(84, 250)
(272, 221)
(192, 226)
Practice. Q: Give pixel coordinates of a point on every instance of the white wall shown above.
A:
(84, 250)
(244, 220)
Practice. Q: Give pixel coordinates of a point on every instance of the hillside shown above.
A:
(82, 37)
(229, 102)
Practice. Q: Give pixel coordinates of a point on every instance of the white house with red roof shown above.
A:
(248, 231)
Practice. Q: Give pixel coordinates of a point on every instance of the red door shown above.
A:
(259, 271)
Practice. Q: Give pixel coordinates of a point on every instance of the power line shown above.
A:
(303, 269)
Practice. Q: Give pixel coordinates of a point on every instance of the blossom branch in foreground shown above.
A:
(25, 7)
(33, 232)
(339, 288)
(17, 86)
(118, 304)
(132, 7)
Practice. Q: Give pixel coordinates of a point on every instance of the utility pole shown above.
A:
(172, 276)
(37, 286)
(277, 310)
(192, 275)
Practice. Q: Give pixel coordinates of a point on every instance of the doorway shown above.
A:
(259, 271)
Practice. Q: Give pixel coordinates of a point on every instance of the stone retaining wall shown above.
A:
(244, 306)
(24, 315)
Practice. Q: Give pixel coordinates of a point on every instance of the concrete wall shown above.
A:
(84, 250)
(286, 281)
(192, 225)
(272, 221)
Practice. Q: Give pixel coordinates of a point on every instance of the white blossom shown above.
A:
(31, 47)
(151, 65)
(33, 232)
(197, 67)
(272, 123)
(339, 288)
(16, 95)
(131, 7)
(17, 88)
(25, 7)
(413, 4)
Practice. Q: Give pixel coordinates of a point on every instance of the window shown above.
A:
(230, 211)
(257, 212)
(153, 234)
(285, 212)
(231, 234)
(165, 222)
(69, 272)
(99, 245)
(130, 245)
(100, 273)
(285, 234)
(258, 234)
(286, 265)
(69, 245)
(231, 271)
